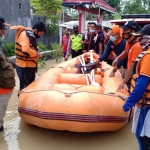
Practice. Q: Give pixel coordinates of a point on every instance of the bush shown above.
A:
(42, 47)
(9, 49)
(57, 54)
(42, 62)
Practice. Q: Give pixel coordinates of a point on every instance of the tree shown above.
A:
(115, 4)
(49, 8)
(117, 15)
(134, 7)
(146, 4)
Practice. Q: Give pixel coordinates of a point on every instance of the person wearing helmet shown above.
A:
(7, 76)
(74, 45)
(27, 52)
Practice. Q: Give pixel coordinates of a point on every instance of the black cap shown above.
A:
(145, 30)
(40, 26)
(131, 25)
(98, 25)
(3, 23)
(75, 27)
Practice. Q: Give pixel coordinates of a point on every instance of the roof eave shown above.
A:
(107, 9)
(77, 4)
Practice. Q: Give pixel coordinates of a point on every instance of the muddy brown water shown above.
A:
(21, 136)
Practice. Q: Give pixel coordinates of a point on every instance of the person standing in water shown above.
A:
(7, 76)
(26, 51)
(117, 45)
(140, 92)
(92, 40)
(64, 43)
(75, 45)
(132, 50)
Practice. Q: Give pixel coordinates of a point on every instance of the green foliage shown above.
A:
(130, 6)
(9, 49)
(115, 4)
(42, 62)
(117, 15)
(49, 8)
(57, 54)
(108, 16)
(136, 7)
(42, 47)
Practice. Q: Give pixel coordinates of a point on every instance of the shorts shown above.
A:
(64, 54)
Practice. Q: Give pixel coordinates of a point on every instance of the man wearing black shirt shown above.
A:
(92, 40)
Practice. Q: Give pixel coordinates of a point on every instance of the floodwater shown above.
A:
(21, 136)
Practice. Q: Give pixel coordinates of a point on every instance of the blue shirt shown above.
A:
(137, 93)
(117, 49)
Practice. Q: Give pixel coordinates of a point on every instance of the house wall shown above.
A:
(47, 39)
(18, 12)
(15, 12)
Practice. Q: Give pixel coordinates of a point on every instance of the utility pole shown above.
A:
(63, 14)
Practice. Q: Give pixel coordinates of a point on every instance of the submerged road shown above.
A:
(21, 136)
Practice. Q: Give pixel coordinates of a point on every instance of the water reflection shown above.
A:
(21, 136)
(12, 130)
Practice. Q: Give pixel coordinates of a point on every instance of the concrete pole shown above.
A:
(63, 15)
(99, 15)
(101, 18)
(82, 20)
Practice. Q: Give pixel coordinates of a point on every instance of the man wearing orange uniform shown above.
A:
(140, 96)
(7, 76)
(116, 44)
(132, 50)
(26, 51)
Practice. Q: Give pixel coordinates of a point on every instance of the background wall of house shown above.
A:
(47, 39)
(18, 12)
(15, 12)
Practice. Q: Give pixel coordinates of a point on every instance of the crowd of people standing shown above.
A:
(126, 46)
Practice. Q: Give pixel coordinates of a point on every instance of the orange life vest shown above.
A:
(146, 96)
(23, 59)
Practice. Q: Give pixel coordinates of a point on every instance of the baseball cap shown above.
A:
(75, 27)
(116, 29)
(131, 25)
(3, 23)
(40, 26)
(98, 25)
(145, 30)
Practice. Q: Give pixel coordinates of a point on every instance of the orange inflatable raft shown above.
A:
(60, 99)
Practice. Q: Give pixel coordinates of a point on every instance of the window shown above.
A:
(19, 6)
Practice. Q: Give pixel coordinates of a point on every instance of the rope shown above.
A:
(61, 91)
(57, 67)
